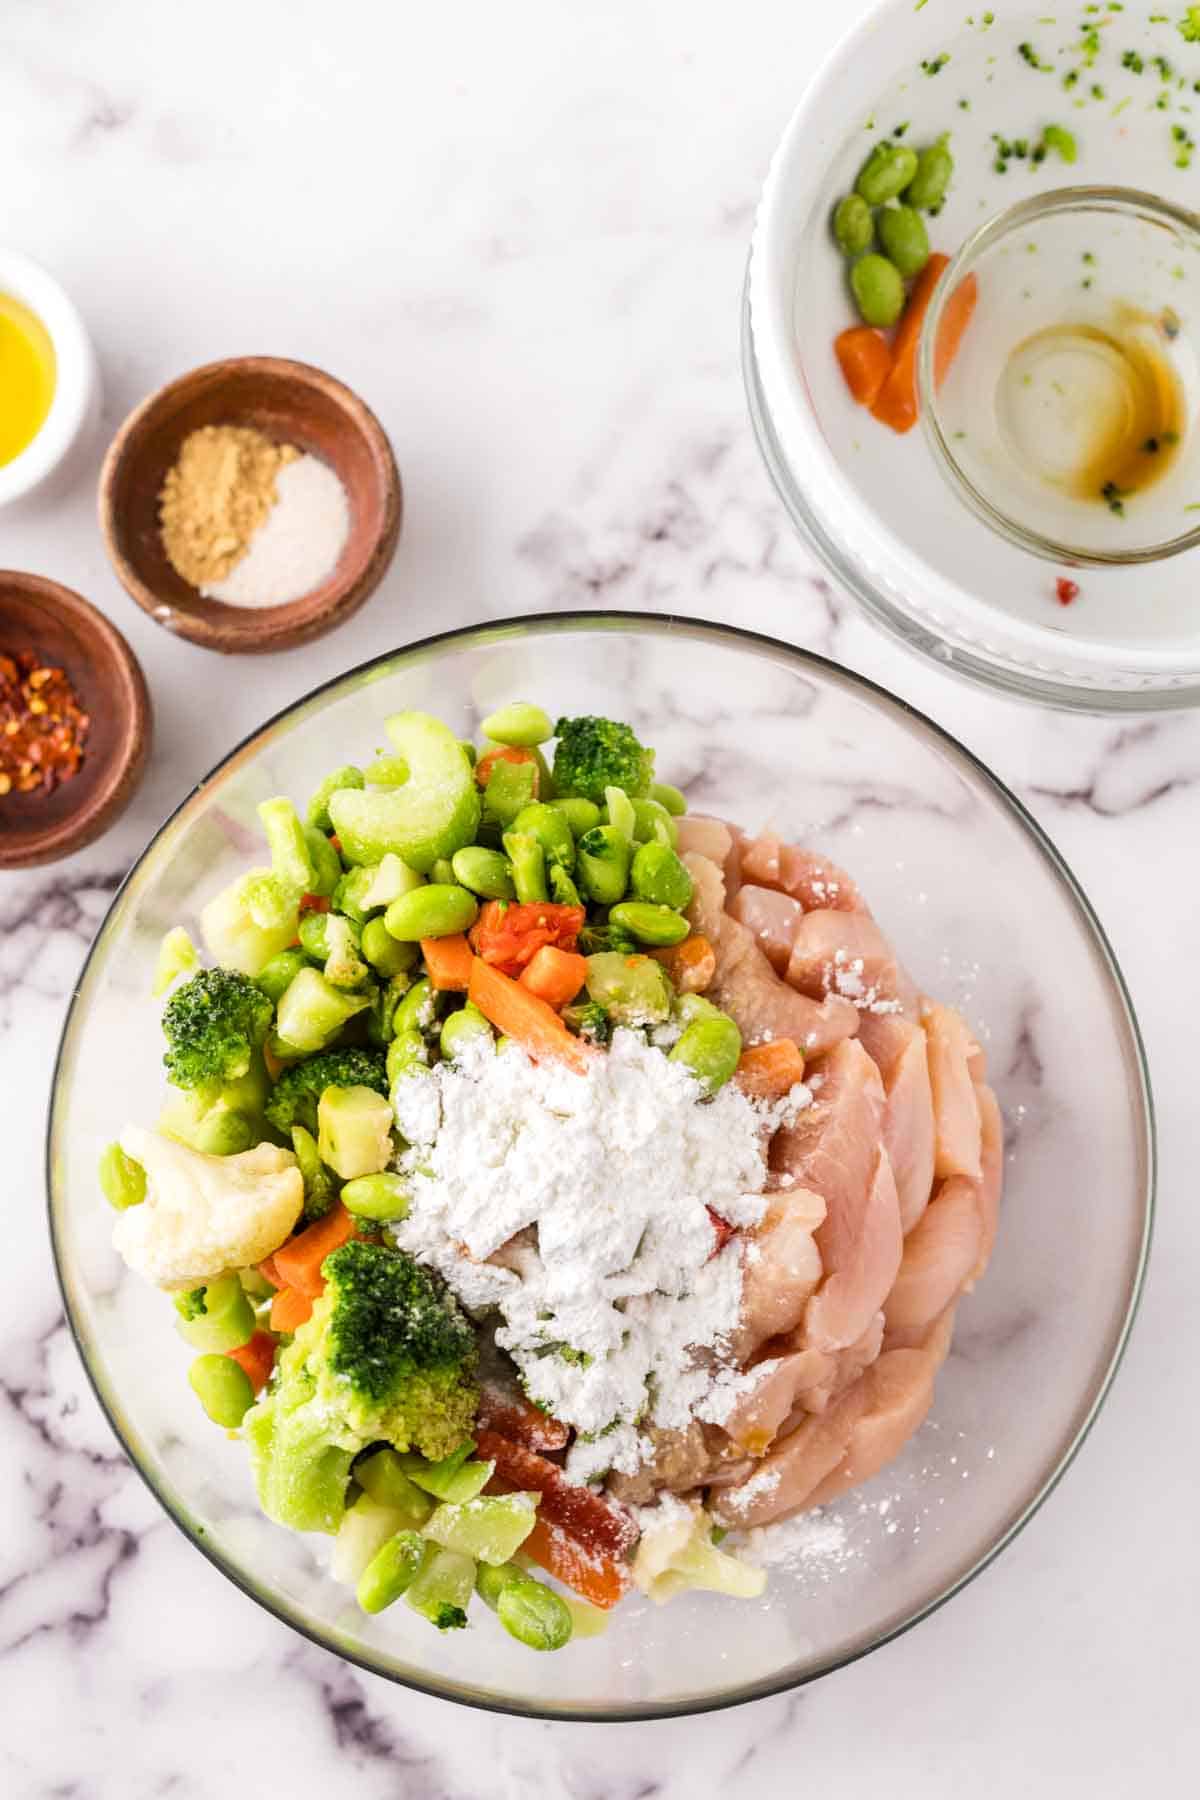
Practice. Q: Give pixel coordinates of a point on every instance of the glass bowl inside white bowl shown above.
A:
(985, 914)
(919, 560)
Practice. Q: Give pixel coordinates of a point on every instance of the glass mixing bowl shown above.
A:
(985, 914)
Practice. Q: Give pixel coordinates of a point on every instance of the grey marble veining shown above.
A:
(537, 288)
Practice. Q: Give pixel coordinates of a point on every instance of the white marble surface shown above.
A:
(521, 235)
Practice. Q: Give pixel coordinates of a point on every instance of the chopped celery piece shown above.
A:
(442, 1590)
(312, 1011)
(435, 813)
(365, 1528)
(455, 1478)
(354, 1131)
(491, 1528)
(382, 1476)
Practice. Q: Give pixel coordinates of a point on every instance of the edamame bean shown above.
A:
(384, 952)
(528, 861)
(552, 832)
(440, 909)
(387, 771)
(878, 290)
(853, 226)
(903, 235)
(318, 806)
(443, 872)
(886, 172)
(319, 1193)
(227, 1321)
(464, 1027)
(709, 1049)
(122, 1181)
(391, 1571)
(658, 875)
(222, 1388)
(528, 1610)
(656, 925)
(313, 932)
(381, 1197)
(520, 724)
(632, 990)
(485, 872)
(605, 854)
(652, 823)
(935, 166)
(581, 815)
(669, 797)
(406, 1055)
(277, 976)
(418, 1009)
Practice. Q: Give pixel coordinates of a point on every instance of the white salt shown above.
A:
(298, 544)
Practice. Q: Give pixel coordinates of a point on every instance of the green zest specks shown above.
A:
(935, 64)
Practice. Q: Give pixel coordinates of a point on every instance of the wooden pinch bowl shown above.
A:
(67, 633)
(291, 403)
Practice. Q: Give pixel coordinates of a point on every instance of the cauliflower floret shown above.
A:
(676, 1553)
(205, 1214)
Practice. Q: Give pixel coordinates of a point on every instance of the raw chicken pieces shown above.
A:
(884, 1189)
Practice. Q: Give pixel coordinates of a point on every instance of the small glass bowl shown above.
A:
(1069, 283)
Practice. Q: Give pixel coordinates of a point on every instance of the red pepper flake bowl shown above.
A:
(65, 633)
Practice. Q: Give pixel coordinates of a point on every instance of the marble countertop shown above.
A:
(522, 238)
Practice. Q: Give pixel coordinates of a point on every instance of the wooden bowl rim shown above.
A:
(125, 690)
(254, 630)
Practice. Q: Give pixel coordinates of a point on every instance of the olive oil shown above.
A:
(1097, 412)
(27, 377)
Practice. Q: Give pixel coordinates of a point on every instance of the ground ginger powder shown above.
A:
(216, 496)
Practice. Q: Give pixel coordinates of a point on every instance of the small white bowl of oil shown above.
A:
(49, 383)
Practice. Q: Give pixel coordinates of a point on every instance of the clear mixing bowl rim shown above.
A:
(651, 623)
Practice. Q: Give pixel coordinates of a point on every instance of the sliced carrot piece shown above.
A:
(595, 1524)
(314, 903)
(299, 1260)
(267, 1268)
(723, 1229)
(555, 975)
(865, 361)
(768, 1071)
(691, 965)
(448, 960)
(520, 1015)
(601, 1579)
(273, 1065)
(289, 1309)
(956, 316)
(258, 1356)
(514, 1417)
(896, 403)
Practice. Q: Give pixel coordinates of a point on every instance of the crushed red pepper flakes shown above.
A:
(42, 725)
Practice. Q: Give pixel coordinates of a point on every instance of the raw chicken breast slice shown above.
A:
(846, 953)
(747, 987)
(706, 910)
(804, 874)
(784, 1478)
(833, 1149)
(992, 1158)
(898, 1049)
(772, 918)
(898, 1393)
(847, 1366)
(705, 836)
(757, 1414)
(781, 1267)
(939, 1255)
(862, 1266)
(957, 1141)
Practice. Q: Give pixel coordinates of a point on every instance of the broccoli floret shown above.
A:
(594, 754)
(590, 1020)
(295, 1095)
(213, 1024)
(386, 1355)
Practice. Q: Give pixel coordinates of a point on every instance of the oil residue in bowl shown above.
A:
(1097, 413)
(27, 377)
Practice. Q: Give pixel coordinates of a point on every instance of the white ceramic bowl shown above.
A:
(76, 403)
(875, 505)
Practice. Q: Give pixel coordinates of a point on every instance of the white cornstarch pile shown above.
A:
(298, 544)
(611, 1298)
